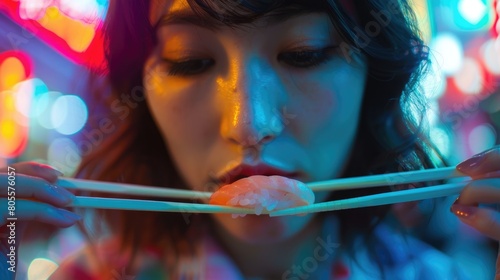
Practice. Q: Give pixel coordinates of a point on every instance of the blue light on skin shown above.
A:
(216, 93)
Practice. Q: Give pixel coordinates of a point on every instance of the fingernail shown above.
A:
(58, 173)
(61, 193)
(471, 163)
(67, 215)
(463, 211)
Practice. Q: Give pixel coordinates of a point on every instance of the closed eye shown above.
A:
(188, 67)
(307, 58)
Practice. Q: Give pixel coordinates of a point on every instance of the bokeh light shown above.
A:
(23, 97)
(469, 15)
(69, 114)
(472, 10)
(448, 53)
(12, 71)
(14, 122)
(481, 138)
(43, 108)
(490, 52)
(41, 269)
(470, 78)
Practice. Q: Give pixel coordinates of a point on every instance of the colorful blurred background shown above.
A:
(48, 46)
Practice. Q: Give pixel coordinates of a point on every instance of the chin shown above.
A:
(262, 229)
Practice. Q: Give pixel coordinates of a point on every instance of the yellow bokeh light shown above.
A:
(7, 129)
(11, 72)
(14, 123)
(9, 103)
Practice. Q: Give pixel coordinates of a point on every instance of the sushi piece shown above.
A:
(263, 193)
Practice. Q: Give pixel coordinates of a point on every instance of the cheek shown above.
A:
(324, 105)
(185, 120)
(178, 106)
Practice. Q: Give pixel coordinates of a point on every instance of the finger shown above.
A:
(27, 210)
(485, 162)
(34, 169)
(480, 191)
(35, 188)
(485, 220)
(494, 174)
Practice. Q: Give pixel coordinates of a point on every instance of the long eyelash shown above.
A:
(185, 67)
(324, 55)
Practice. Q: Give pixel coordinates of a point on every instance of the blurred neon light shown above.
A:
(41, 268)
(88, 11)
(470, 15)
(490, 52)
(70, 27)
(497, 19)
(25, 91)
(43, 110)
(11, 72)
(448, 53)
(482, 137)
(470, 79)
(472, 10)
(14, 69)
(69, 114)
(78, 35)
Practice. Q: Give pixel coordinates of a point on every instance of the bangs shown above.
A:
(219, 13)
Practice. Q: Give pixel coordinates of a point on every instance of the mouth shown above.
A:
(240, 171)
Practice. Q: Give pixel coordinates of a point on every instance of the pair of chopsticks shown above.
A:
(330, 185)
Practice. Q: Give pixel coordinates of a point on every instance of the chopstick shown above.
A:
(376, 199)
(330, 185)
(356, 202)
(152, 205)
(386, 179)
(129, 189)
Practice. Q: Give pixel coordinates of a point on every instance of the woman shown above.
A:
(207, 92)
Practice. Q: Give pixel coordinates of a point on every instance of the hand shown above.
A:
(36, 198)
(27, 188)
(484, 168)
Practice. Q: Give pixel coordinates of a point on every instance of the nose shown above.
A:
(251, 109)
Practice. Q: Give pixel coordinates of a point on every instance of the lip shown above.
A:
(234, 173)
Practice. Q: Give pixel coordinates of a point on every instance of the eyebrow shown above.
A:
(187, 17)
(184, 17)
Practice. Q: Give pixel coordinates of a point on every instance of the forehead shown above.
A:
(159, 8)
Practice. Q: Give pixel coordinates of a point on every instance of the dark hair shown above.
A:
(388, 138)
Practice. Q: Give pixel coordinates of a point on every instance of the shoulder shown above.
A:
(400, 256)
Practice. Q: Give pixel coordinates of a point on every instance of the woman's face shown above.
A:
(272, 98)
